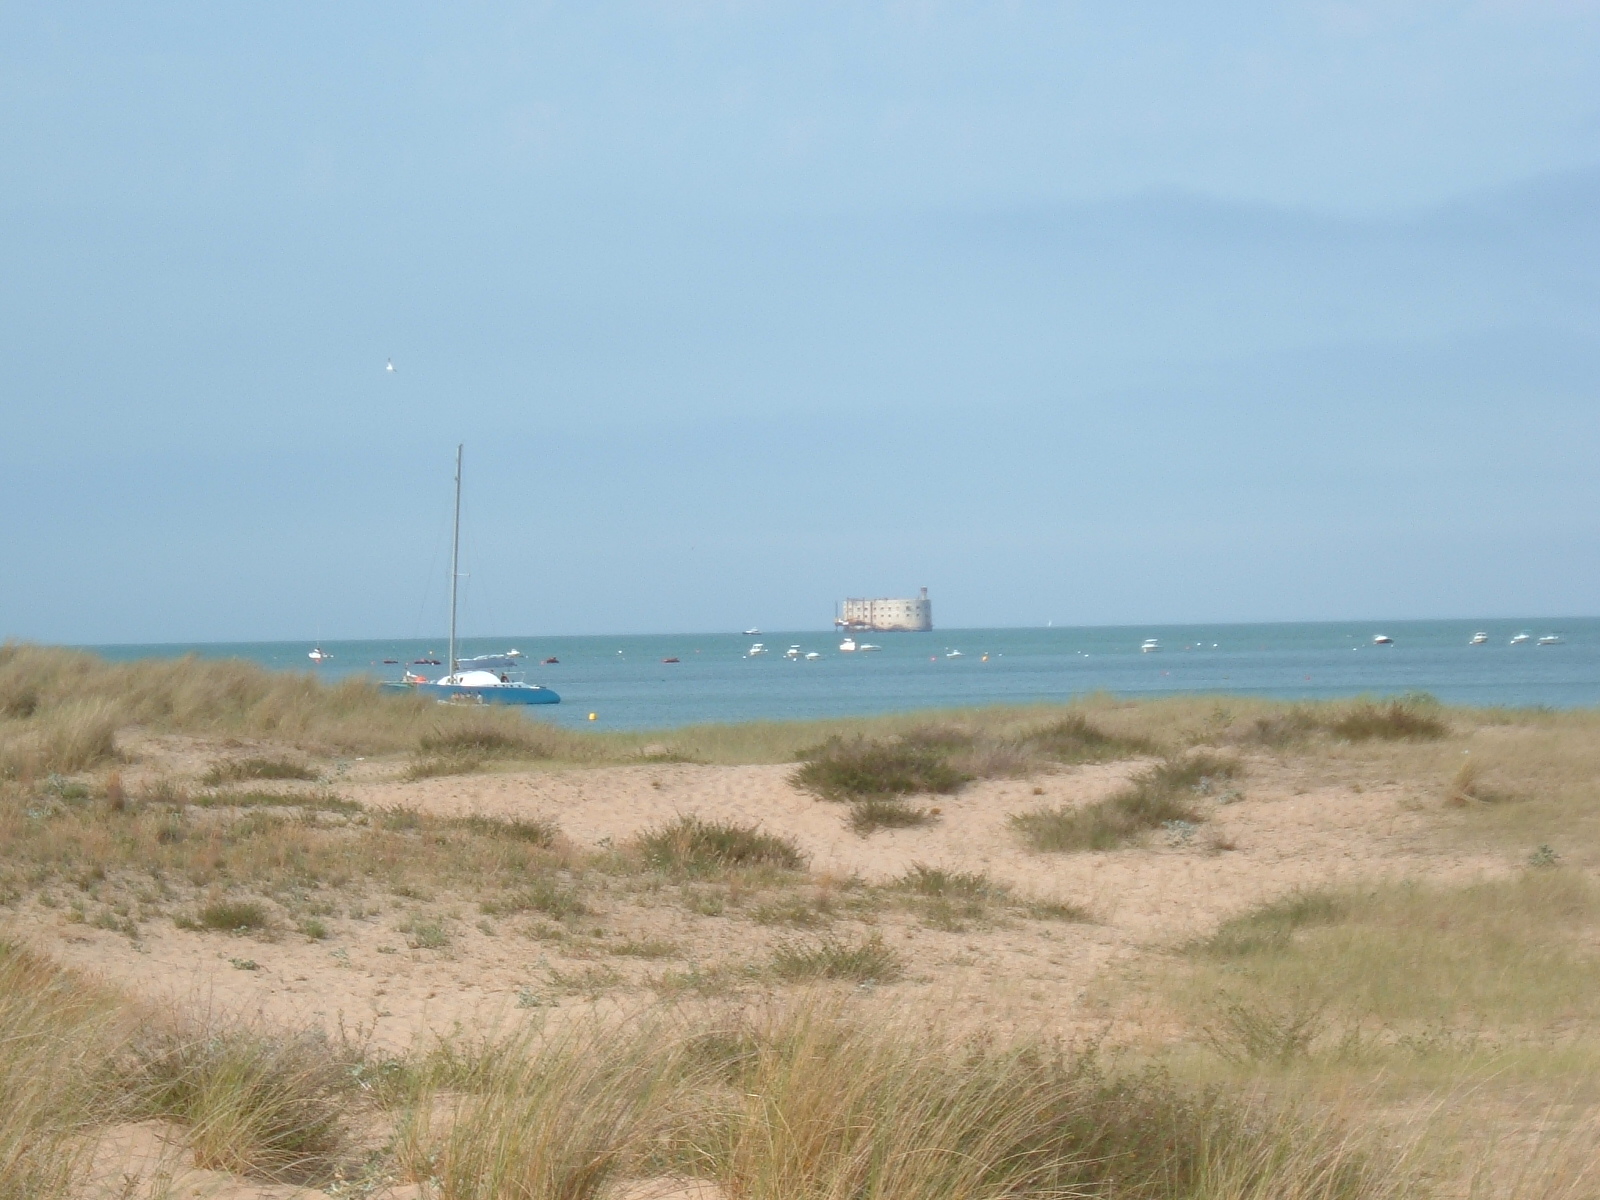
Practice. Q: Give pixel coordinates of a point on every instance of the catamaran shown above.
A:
(485, 679)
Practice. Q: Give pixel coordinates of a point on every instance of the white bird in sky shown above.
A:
(390, 367)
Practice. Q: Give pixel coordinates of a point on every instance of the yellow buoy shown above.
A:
(591, 716)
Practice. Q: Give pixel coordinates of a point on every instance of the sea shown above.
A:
(627, 682)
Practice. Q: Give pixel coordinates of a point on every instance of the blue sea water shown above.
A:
(625, 683)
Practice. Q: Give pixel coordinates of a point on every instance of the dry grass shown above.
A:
(55, 1037)
(60, 711)
(255, 1102)
(1497, 972)
(1431, 985)
(231, 865)
(241, 770)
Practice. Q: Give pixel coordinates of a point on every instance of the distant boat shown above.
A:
(319, 656)
(672, 659)
(812, 656)
(1549, 639)
(480, 684)
(491, 662)
(755, 649)
(426, 662)
(751, 632)
(865, 646)
(849, 645)
(953, 654)
(548, 661)
(792, 652)
(1150, 646)
(1478, 638)
(1382, 639)
(1518, 639)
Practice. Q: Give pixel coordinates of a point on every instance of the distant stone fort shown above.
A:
(887, 616)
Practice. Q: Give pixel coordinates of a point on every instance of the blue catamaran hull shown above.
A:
(505, 693)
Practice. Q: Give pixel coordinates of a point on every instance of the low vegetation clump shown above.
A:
(940, 882)
(532, 831)
(1074, 738)
(692, 846)
(868, 960)
(231, 916)
(1393, 721)
(242, 770)
(470, 745)
(884, 812)
(1271, 927)
(1166, 792)
(310, 801)
(543, 896)
(863, 769)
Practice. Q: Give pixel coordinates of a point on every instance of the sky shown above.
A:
(1093, 313)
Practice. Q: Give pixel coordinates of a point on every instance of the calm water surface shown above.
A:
(624, 682)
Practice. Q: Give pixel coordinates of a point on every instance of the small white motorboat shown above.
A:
(954, 654)
(1520, 638)
(755, 649)
(792, 652)
(1548, 639)
(1150, 646)
(812, 656)
(751, 632)
(1382, 639)
(865, 646)
(1478, 638)
(848, 646)
(319, 655)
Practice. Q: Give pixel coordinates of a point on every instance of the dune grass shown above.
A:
(1514, 955)
(692, 846)
(241, 770)
(862, 769)
(61, 710)
(867, 960)
(812, 1102)
(195, 860)
(55, 1037)
(1168, 791)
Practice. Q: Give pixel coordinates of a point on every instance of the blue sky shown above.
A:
(1084, 312)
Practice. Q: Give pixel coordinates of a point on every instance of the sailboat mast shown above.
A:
(455, 563)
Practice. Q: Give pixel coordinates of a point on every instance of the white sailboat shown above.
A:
(486, 679)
